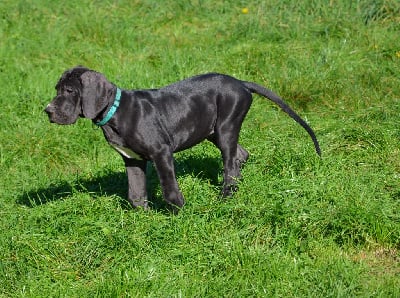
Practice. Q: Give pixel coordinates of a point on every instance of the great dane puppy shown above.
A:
(150, 125)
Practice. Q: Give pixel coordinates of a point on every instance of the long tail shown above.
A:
(255, 88)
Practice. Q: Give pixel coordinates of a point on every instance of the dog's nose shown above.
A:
(49, 109)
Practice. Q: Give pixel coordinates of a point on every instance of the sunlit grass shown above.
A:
(298, 226)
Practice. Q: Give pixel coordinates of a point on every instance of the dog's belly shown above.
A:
(190, 138)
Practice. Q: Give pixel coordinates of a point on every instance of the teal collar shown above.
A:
(112, 110)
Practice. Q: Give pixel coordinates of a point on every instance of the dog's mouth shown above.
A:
(59, 119)
(49, 111)
(51, 120)
(60, 122)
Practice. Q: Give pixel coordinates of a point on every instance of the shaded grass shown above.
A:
(298, 226)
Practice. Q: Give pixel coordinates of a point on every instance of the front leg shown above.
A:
(136, 172)
(164, 165)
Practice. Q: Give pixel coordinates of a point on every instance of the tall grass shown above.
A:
(298, 226)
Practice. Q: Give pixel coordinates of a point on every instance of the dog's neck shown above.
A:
(112, 109)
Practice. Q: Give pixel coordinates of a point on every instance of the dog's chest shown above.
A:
(128, 153)
(114, 140)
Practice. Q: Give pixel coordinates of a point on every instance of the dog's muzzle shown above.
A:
(49, 111)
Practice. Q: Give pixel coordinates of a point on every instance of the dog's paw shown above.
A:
(140, 203)
(175, 202)
(174, 209)
(229, 190)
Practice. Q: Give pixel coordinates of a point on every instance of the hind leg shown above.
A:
(241, 154)
(233, 156)
(232, 108)
(231, 167)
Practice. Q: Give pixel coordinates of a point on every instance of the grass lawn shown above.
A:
(299, 226)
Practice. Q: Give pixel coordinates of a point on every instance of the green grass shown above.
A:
(299, 226)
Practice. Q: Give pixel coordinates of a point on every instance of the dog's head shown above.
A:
(81, 92)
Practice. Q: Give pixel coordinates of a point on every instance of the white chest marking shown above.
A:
(126, 152)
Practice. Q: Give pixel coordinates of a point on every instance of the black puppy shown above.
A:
(152, 124)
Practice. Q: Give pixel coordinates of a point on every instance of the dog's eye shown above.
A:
(69, 90)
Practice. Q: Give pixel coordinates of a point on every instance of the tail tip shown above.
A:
(318, 150)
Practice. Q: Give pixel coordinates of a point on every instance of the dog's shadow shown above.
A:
(115, 183)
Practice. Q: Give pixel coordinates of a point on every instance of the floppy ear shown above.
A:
(70, 74)
(96, 93)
